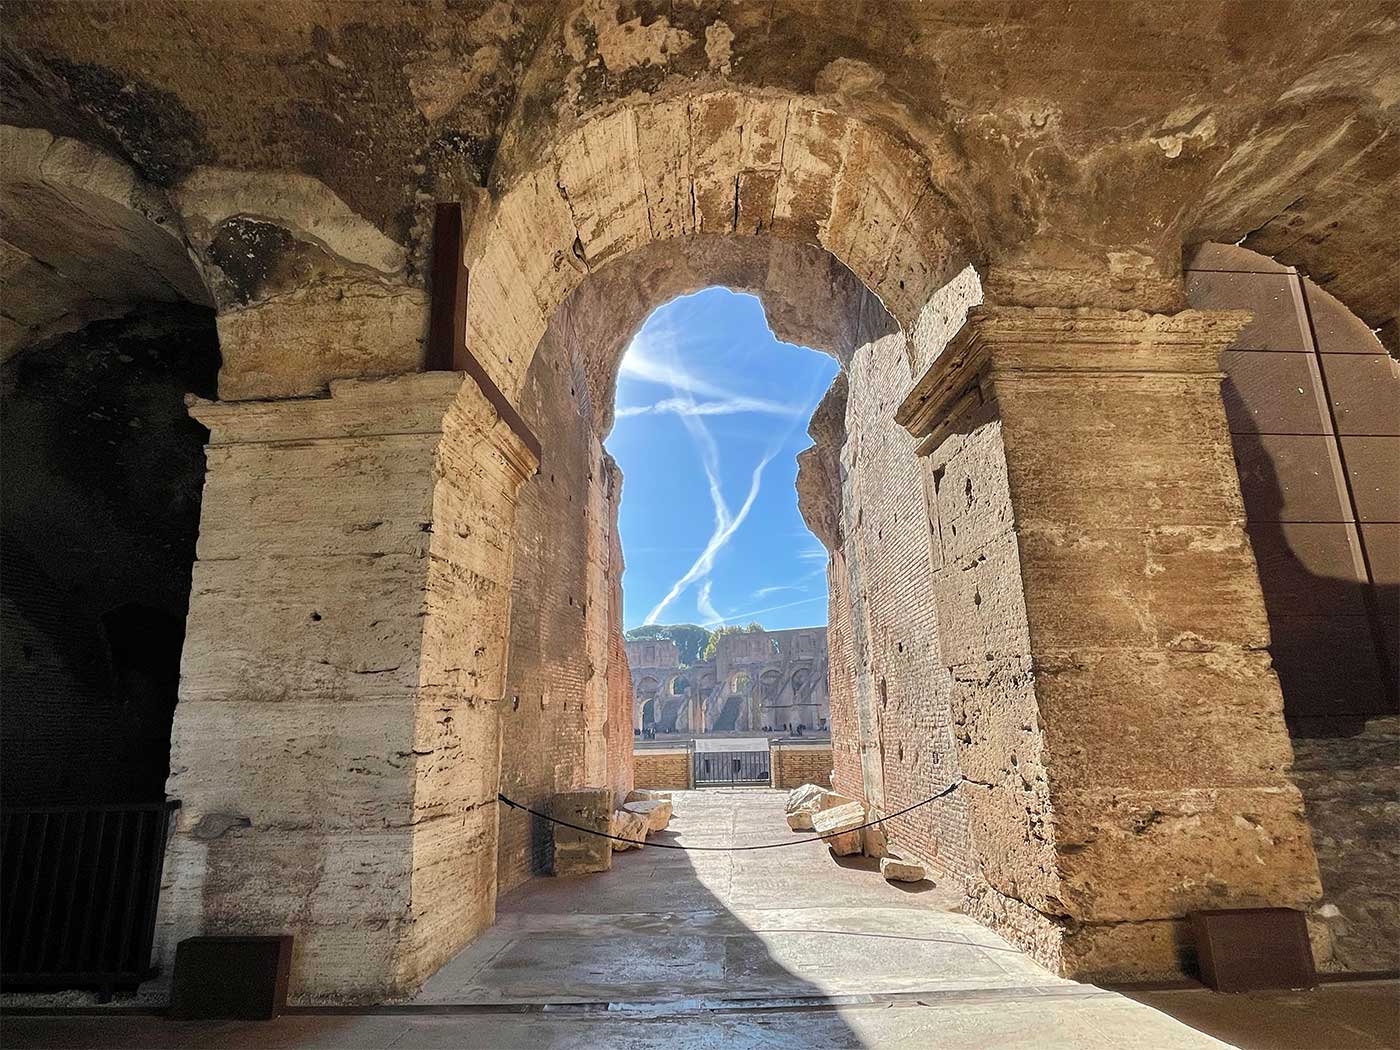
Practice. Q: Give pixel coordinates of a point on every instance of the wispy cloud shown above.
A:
(643, 362)
(764, 592)
(727, 522)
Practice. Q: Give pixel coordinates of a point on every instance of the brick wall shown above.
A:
(795, 765)
(566, 721)
(661, 769)
(891, 696)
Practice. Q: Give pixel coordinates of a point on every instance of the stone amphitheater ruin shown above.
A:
(1107, 481)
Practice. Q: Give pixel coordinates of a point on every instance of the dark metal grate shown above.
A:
(715, 768)
(80, 887)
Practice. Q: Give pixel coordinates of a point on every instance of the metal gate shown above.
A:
(80, 885)
(727, 768)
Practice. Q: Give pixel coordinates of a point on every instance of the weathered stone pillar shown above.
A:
(336, 742)
(1116, 713)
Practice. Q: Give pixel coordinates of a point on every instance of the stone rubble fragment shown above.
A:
(657, 813)
(644, 795)
(875, 843)
(842, 823)
(800, 820)
(805, 797)
(628, 825)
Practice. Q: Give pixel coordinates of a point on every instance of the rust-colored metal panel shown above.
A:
(1373, 468)
(1276, 325)
(1309, 569)
(1327, 666)
(1383, 550)
(1212, 256)
(231, 978)
(1338, 330)
(1288, 477)
(1268, 392)
(1365, 392)
(1253, 949)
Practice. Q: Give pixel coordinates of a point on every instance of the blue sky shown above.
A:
(711, 413)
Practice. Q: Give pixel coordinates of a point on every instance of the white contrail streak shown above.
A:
(706, 607)
(724, 531)
(771, 608)
(729, 406)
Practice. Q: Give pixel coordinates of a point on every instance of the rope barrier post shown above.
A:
(948, 790)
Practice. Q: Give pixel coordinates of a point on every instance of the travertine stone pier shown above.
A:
(336, 744)
(1118, 723)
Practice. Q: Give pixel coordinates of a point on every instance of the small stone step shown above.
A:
(896, 870)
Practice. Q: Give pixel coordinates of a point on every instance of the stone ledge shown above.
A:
(1083, 340)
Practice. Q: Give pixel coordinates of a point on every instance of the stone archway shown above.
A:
(871, 205)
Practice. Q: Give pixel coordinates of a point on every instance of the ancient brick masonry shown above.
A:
(757, 680)
(796, 764)
(667, 769)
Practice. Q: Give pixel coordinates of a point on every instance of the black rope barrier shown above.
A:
(727, 849)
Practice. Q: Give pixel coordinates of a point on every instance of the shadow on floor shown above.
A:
(1360, 1015)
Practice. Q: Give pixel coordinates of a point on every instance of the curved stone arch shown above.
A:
(86, 239)
(727, 162)
(771, 684)
(801, 679)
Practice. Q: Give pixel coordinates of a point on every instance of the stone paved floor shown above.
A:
(775, 948)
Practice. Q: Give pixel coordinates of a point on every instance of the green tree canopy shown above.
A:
(690, 638)
(708, 653)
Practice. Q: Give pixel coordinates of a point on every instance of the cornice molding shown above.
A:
(999, 341)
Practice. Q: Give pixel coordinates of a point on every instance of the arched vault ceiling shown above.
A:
(1062, 131)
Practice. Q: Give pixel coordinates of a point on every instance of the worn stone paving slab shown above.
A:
(790, 921)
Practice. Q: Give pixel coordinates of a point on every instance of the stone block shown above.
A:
(1133, 855)
(804, 797)
(1187, 586)
(1116, 452)
(800, 820)
(656, 813)
(842, 823)
(1103, 711)
(874, 840)
(642, 795)
(896, 870)
(982, 605)
(628, 825)
(579, 852)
